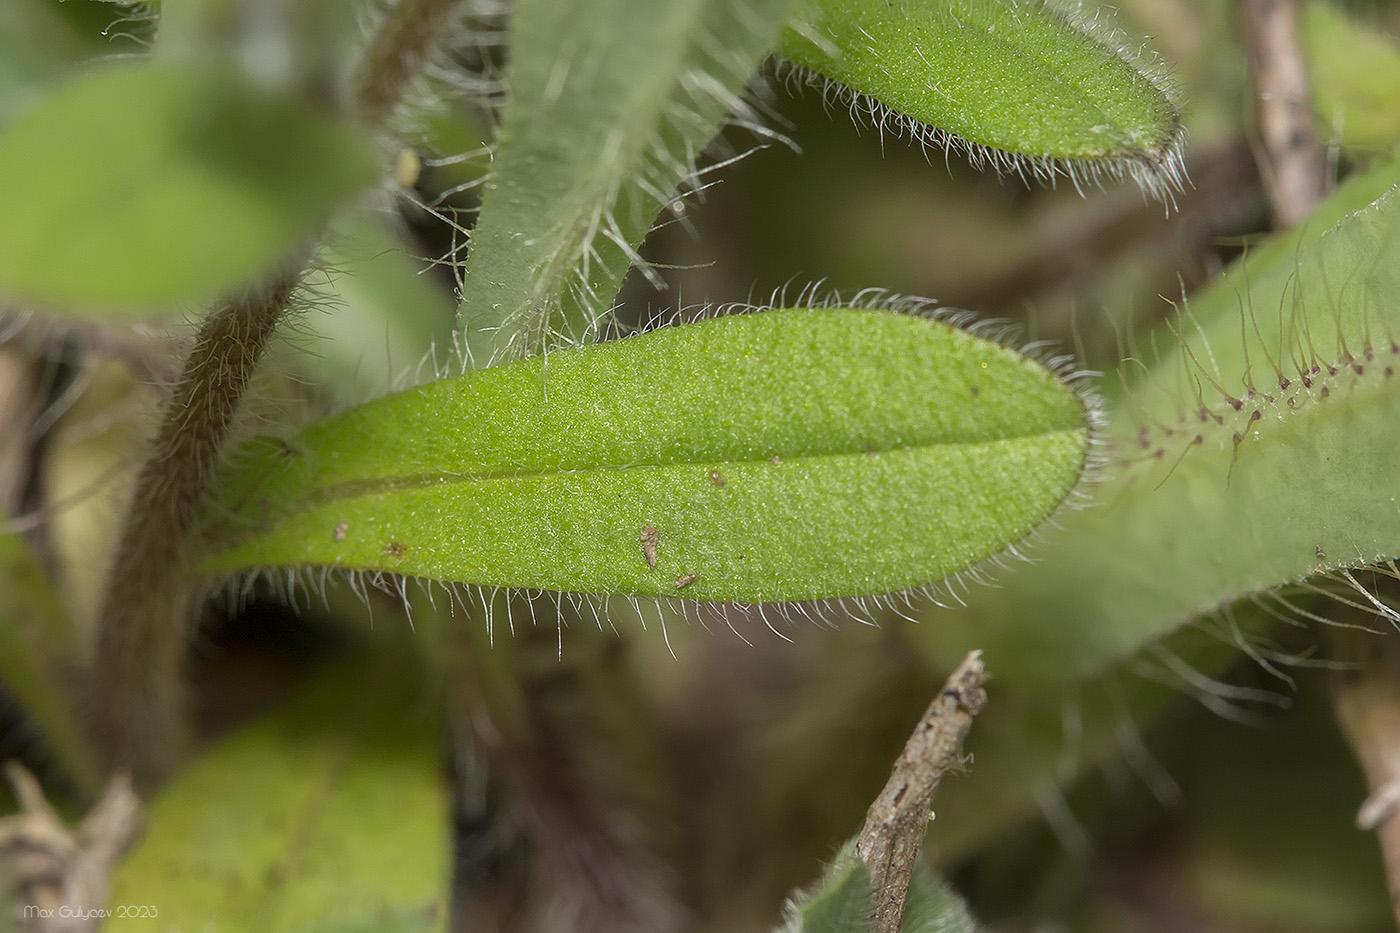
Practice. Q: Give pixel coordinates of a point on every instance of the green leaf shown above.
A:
(611, 102)
(138, 187)
(841, 903)
(1070, 634)
(842, 907)
(40, 42)
(1355, 73)
(1018, 77)
(1183, 526)
(37, 642)
(931, 906)
(797, 454)
(331, 815)
(384, 317)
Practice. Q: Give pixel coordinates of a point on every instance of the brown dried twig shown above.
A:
(894, 827)
(62, 874)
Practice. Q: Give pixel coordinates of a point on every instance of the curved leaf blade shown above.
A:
(796, 454)
(610, 103)
(1191, 518)
(137, 187)
(1000, 74)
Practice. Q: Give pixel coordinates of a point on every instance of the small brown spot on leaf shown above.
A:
(976, 390)
(775, 460)
(1321, 555)
(718, 478)
(341, 529)
(650, 538)
(395, 549)
(685, 580)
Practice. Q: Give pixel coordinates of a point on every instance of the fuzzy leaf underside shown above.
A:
(138, 187)
(788, 455)
(331, 815)
(611, 102)
(1011, 75)
(1191, 519)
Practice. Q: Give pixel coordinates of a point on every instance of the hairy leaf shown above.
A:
(932, 907)
(797, 454)
(1167, 541)
(137, 187)
(611, 102)
(1010, 75)
(1248, 457)
(842, 905)
(840, 902)
(332, 814)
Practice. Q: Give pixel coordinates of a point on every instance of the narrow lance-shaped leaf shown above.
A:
(1259, 451)
(797, 454)
(138, 187)
(1010, 76)
(611, 102)
(1202, 524)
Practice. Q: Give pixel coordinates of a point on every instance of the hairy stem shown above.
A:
(1291, 161)
(136, 686)
(894, 827)
(136, 683)
(396, 54)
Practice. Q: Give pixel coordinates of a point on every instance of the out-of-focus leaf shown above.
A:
(611, 102)
(36, 643)
(1295, 495)
(40, 40)
(1019, 77)
(140, 186)
(385, 321)
(330, 815)
(1355, 77)
(1168, 541)
(797, 454)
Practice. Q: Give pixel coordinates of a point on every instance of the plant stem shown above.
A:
(136, 683)
(894, 827)
(136, 687)
(396, 54)
(1292, 162)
